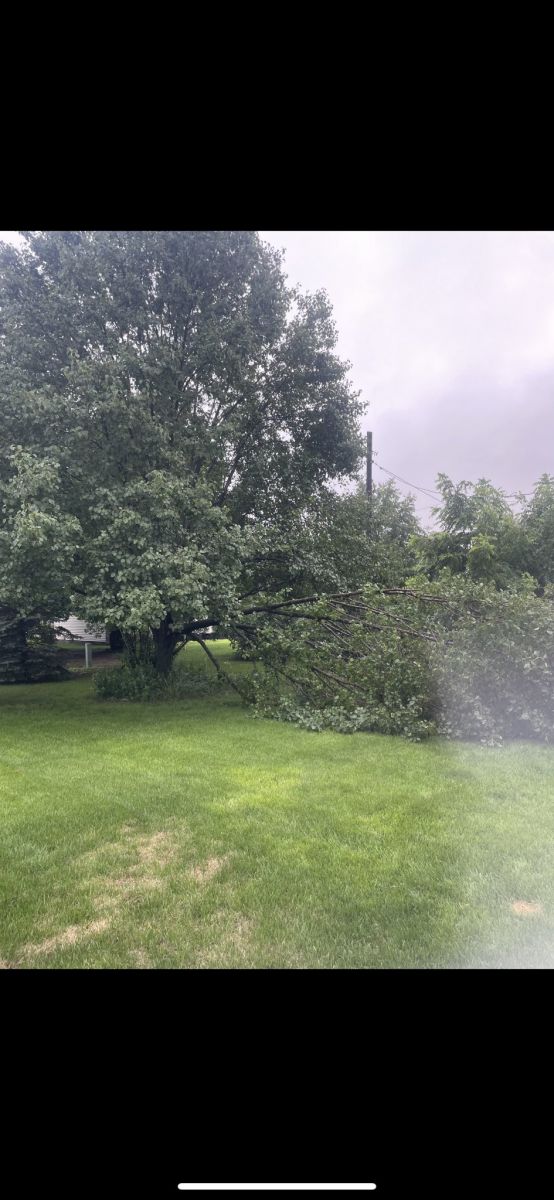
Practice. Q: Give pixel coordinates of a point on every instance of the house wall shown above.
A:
(80, 631)
(84, 633)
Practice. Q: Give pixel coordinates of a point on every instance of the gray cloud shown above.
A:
(451, 337)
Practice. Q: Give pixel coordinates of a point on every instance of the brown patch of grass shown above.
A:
(107, 848)
(234, 936)
(133, 882)
(142, 961)
(68, 937)
(156, 850)
(207, 870)
(152, 852)
(240, 933)
(524, 908)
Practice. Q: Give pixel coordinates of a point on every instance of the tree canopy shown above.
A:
(479, 534)
(183, 402)
(537, 522)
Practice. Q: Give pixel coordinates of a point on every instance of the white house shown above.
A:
(81, 632)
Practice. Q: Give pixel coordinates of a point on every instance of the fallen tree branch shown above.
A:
(214, 662)
(336, 679)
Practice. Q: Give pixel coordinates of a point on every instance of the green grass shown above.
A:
(190, 835)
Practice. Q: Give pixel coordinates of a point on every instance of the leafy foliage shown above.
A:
(355, 539)
(184, 405)
(24, 656)
(480, 535)
(495, 670)
(455, 656)
(537, 522)
(38, 541)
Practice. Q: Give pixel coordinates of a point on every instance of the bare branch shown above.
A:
(214, 662)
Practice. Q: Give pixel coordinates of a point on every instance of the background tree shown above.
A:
(189, 404)
(537, 521)
(480, 536)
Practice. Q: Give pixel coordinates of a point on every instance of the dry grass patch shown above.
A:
(157, 850)
(207, 870)
(232, 944)
(68, 937)
(152, 853)
(141, 960)
(524, 908)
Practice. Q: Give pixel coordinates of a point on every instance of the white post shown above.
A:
(88, 654)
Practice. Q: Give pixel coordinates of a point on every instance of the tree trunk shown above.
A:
(165, 641)
(116, 641)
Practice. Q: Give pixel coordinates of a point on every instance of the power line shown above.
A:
(430, 492)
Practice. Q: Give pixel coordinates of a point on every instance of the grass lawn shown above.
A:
(190, 835)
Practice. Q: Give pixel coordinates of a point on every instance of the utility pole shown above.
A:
(368, 464)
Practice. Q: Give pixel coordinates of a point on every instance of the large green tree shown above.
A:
(189, 405)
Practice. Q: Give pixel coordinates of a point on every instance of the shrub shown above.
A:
(143, 682)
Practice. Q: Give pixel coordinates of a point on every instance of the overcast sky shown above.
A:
(451, 339)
